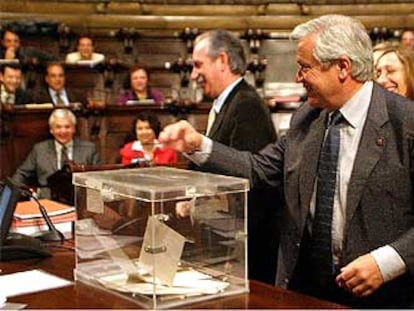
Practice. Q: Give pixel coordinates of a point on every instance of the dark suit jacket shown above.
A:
(28, 55)
(380, 198)
(244, 123)
(22, 97)
(42, 162)
(43, 96)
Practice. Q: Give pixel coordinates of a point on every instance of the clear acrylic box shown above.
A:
(161, 236)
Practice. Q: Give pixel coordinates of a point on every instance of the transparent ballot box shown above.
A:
(161, 236)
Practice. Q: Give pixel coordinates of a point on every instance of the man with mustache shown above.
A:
(241, 121)
(347, 169)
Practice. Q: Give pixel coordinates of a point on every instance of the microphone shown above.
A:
(50, 235)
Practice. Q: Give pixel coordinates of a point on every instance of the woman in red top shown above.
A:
(146, 128)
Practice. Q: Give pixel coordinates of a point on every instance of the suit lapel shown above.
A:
(310, 157)
(76, 152)
(370, 150)
(50, 155)
(224, 109)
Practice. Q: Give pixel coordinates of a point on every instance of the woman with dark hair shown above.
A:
(394, 70)
(146, 127)
(139, 88)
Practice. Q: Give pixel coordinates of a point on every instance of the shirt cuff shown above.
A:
(389, 262)
(201, 156)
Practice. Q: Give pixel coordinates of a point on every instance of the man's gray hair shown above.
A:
(223, 41)
(339, 35)
(61, 113)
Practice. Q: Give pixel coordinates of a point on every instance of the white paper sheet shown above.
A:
(31, 281)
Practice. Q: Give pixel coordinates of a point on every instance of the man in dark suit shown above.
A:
(366, 249)
(242, 121)
(10, 86)
(11, 49)
(49, 156)
(55, 90)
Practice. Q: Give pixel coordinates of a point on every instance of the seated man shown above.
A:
(50, 155)
(11, 49)
(55, 91)
(11, 92)
(85, 52)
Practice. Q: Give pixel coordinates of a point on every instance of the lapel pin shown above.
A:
(380, 142)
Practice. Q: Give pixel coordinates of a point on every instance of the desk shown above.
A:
(81, 296)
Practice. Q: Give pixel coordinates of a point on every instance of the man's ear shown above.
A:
(224, 60)
(344, 65)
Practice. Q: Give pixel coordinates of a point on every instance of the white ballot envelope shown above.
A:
(161, 251)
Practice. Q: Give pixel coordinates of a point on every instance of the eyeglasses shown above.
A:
(304, 69)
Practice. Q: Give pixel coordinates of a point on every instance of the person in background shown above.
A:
(347, 169)
(50, 155)
(11, 92)
(239, 119)
(146, 128)
(11, 49)
(407, 39)
(55, 90)
(139, 88)
(85, 52)
(394, 70)
(379, 48)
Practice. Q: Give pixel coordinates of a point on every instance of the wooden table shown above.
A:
(81, 296)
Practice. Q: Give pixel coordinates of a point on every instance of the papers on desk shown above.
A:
(188, 282)
(39, 106)
(31, 281)
(5, 61)
(132, 102)
(27, 218)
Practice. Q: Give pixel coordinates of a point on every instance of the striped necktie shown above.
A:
(64, 158)
(321, 241)
(59, 100)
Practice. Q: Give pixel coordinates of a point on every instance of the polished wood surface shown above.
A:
(82, 296)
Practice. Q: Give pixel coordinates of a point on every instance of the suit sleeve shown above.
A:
(264, 169)
(26, 172)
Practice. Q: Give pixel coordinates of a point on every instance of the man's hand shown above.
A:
(361, 277)
(10, 53)
(181, 136)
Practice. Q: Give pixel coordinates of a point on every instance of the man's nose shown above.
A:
(194, 74)
(299, 77)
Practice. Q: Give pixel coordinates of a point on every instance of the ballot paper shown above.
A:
(161, 251)
(188, 282)
(31, 281)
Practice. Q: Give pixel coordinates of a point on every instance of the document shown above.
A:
(31, 281)
(161, 251)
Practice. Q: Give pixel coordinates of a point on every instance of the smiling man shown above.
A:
(85, 52)
(346, 166)
(50, 155)
(239, 119)
(10, 86)
(55, 90)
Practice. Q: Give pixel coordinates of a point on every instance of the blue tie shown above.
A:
(321, 241)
